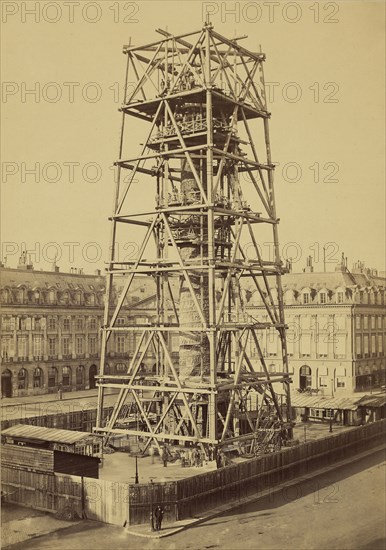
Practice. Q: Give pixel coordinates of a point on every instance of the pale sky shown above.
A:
(327, 134)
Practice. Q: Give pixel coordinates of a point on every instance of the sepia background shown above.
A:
(63, 72)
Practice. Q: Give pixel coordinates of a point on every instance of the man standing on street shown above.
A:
(158, 514)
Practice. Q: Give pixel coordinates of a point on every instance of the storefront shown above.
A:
(318, 409)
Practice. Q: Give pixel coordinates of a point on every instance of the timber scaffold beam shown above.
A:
(198, 198)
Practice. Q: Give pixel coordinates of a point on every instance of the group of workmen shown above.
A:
(186, 81)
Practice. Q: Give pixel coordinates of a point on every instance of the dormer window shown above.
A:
(340, 297)
(306, 298)
(323, 298)
(52, 296)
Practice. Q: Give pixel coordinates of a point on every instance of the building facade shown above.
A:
(336, 330)
(50, 337)
(50, 330)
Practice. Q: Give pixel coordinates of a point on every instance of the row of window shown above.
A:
(51, 323)
(323, 298)
(369, 346)
(52, 377)
(339, 297)
(50, 297)
(7, 344)
(368, 321)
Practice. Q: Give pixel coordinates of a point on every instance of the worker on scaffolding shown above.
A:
(190, 80)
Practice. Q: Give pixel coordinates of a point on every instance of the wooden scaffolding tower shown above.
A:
(203, 190)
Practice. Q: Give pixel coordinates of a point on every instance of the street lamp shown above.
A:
(136, 470)
(151, 506)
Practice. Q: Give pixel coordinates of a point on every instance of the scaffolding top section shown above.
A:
(188, 65)
(183, 45)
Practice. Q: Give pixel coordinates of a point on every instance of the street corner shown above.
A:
(21, 524)
(144, 531)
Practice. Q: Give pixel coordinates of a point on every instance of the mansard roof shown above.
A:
(46, 280)
(142, 288)
(330, 281)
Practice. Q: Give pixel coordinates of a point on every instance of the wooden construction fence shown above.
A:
(96, 499)
(145, 496)
(114, 502)
(191, 496)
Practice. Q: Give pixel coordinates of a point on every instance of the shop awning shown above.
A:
(315, 402)
(372, 401)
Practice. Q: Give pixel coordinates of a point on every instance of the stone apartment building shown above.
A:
(50, 329)
(336, 330)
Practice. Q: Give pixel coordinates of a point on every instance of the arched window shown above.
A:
(66, 376)
(52, 296)
(22, 379)
(4, 296)
(52, 377)
(80, 375)
(92, 372)
(21, 294)
(6, 383)
(35, 295)
(272, 368)
(305, 379)
(38, 378)
(121, 367)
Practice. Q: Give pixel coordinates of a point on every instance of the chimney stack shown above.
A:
(309, 268)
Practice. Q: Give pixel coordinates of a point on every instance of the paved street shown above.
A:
(341, 510)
